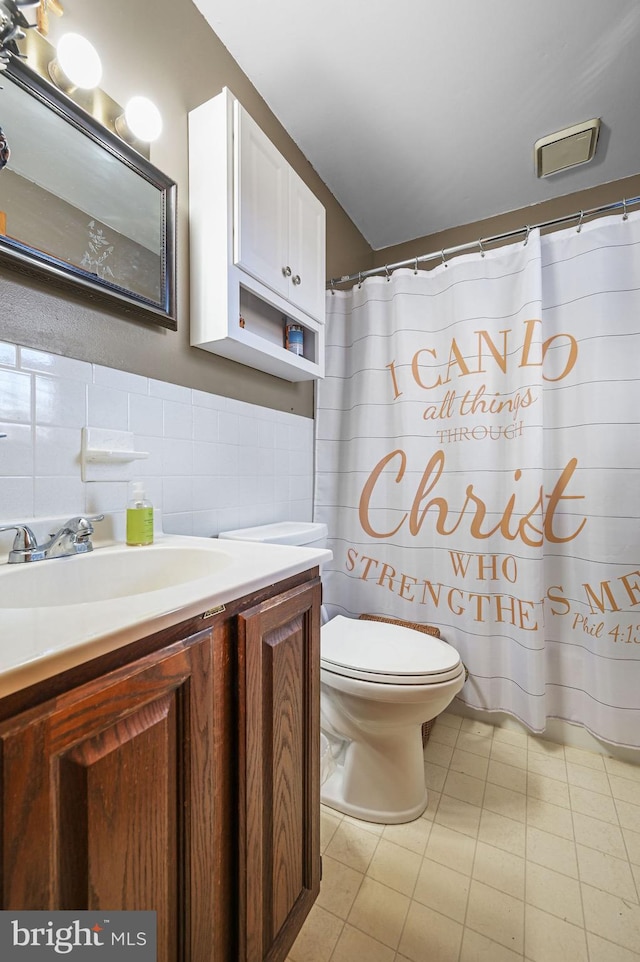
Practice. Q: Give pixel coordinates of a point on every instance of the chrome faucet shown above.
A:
(74, 537)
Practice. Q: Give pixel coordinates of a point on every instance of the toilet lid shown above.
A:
(387, 654)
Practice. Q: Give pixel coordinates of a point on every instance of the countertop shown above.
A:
(39, 642)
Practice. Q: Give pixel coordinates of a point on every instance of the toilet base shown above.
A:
(331, 795)
(380, 779)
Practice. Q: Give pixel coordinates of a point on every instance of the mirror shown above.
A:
(80, 206)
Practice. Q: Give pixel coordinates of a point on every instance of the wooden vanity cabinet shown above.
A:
(179, 774)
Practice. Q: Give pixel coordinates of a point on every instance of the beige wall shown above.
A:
(513, 220)
(165, 49)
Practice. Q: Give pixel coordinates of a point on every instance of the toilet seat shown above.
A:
(386, 654)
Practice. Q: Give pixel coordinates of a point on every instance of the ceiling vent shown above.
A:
(566, 148)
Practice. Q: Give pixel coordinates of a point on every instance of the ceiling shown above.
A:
(421, 116)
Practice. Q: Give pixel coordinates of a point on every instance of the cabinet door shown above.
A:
(261, 188)
(109, 797)
(279, 668)
(306, 248)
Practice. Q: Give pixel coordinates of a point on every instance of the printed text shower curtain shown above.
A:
(478, 466)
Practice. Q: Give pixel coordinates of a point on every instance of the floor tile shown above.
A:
(469, 764)
(475, 744)
(438, 754)
(508, 754)
(588, 778)
(443, 735)
(611, 917)
(428, 935)
(628, 815)
(449, 720)
(380, 912)
(623, 769)
(603, 836)
(463, 787)
(412, 835)
(442, 889)
(451, 848)
(547, 765)
(339, 887)
(632, 845)
(433, 800)
(507, 776)
(605, 872)
(550, 939)
(577, 756)
(528, 851)
(435, 776)
(505, 833)
(499, 869)
(353, 846)
(558, 854)
(510, 737)
(554, 893)
(354, 944)
(476, 727)
(550, 818)
(542, 746)
(317, 938)
(548, 789)
(624, 789)
(504, 801)
(592, 803)
(602, 951)
(395, 866)
(478, 948)
(458, 815)
(328, 825)
(497, 916)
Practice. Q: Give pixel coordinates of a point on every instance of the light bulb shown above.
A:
(143, 119)
(79, 61)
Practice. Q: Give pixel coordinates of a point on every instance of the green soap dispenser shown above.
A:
(139, 517)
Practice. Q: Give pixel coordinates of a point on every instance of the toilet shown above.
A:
(378, 683)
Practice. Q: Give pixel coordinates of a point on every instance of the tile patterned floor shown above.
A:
(528, 851)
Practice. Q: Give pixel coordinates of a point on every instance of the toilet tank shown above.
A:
(306, 533)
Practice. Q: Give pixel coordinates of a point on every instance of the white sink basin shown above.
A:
(107, 574)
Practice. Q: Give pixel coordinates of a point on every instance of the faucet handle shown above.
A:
(24, 541)
(82, 526)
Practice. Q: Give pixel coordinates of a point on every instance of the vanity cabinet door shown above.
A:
(110, 799)
(279, 744)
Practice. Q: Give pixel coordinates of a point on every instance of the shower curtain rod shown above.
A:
(414, 261)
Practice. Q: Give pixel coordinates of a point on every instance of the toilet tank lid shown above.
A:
(386, 649)
(280, 532)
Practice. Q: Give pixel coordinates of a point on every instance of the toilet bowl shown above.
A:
(379, 683)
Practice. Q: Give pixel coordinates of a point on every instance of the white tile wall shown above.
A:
(214, 463)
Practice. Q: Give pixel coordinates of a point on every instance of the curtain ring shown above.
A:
(527, 237)
(359, 279)
(415, 269)
(332, 283)
(482, 251)
(387, 273)
(625, 216)
(579, 228)
(443, 259)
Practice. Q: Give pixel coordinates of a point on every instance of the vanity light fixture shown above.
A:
(77, 64)
(141, 120)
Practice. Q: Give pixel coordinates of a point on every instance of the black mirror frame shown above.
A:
(30, 261)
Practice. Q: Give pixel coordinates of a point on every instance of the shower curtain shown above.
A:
(478, 467)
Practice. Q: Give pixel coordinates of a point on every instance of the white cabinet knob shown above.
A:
(296, 280)
(286, 271)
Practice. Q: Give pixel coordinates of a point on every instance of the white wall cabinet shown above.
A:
(257, 246)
